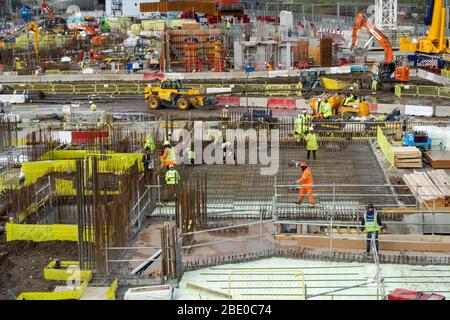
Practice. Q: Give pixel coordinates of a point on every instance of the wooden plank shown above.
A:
(386, 243)
(424, 189)
(438, 159)
(208, 290)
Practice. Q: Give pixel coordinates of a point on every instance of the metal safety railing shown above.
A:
(422, 91)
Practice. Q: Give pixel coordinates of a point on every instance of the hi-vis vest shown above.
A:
(371, 223)
(172, 177)
(171, 155)
(225, 113)
(327, 112)
(150, 142)
(311, 141)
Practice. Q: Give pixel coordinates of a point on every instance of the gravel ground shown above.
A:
(22, 265)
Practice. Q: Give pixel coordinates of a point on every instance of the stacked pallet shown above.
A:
(407, 157)
(438, 159)
(442, 181)
(424, 189)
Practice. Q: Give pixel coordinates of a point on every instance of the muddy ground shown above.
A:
(22, 265)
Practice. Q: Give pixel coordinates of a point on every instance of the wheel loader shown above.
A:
(171, 93)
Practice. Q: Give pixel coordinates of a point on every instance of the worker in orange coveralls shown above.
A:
(307, 181)
(168, 157)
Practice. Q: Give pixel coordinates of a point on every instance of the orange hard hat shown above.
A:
(303, 164)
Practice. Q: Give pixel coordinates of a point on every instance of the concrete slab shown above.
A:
(94, 293)
(387, 108)
(442, 111)
(253, 102)
(320, 277)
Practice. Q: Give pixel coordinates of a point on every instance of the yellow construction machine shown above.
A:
(435, 42)
(171, 93)
(359, 109)
(32, 26)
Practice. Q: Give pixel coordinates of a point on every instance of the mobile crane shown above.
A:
(32, 26)
(387, 68)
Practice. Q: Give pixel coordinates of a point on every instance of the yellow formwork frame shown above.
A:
(65, 295)
(69, 270)
(43, 232)
(111, 291)
(385, 146)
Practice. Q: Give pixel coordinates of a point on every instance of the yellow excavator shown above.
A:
(359, 109)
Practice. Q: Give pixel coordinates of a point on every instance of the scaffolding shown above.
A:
(192, 62)
(219, 59)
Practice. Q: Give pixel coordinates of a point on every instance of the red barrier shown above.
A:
(373, 107)
(81, 137)
(231, 101)
(153, 76)
(281, 103)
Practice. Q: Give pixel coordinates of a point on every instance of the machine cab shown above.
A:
(171, 84)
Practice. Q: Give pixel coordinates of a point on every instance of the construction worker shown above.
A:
(172, 178)
(93, 106)
(349, 98)
(327, 110)
(189, 156)
(301, 125)
(228, 24)
(225, 113)
(148, 163)
(168, 157)
(268, 66)
(373, 225)
(146, 159)
(374, 84)
(311, 143)
(150, 142)
(355, 85)
(307, 181)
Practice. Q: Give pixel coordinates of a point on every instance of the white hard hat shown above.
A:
(227, 106)
(171, 166)
(319, 99)
(304, 110)
(311, 128)
(90, 101)
(166, 143)
(351, 88)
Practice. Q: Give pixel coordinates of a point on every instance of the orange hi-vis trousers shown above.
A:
(308, 191)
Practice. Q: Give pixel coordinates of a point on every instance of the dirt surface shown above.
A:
(22, 265)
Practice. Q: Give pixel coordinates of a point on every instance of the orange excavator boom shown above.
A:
(46, 7)
(362, 21)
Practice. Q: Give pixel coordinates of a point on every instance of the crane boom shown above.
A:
(32, 26)
(362, 21)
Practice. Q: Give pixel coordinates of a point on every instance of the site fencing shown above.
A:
(422, 91)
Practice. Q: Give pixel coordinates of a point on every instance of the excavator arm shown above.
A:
(46, 7)
(362, 21)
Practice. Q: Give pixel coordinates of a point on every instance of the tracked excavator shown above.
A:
(388, 71)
